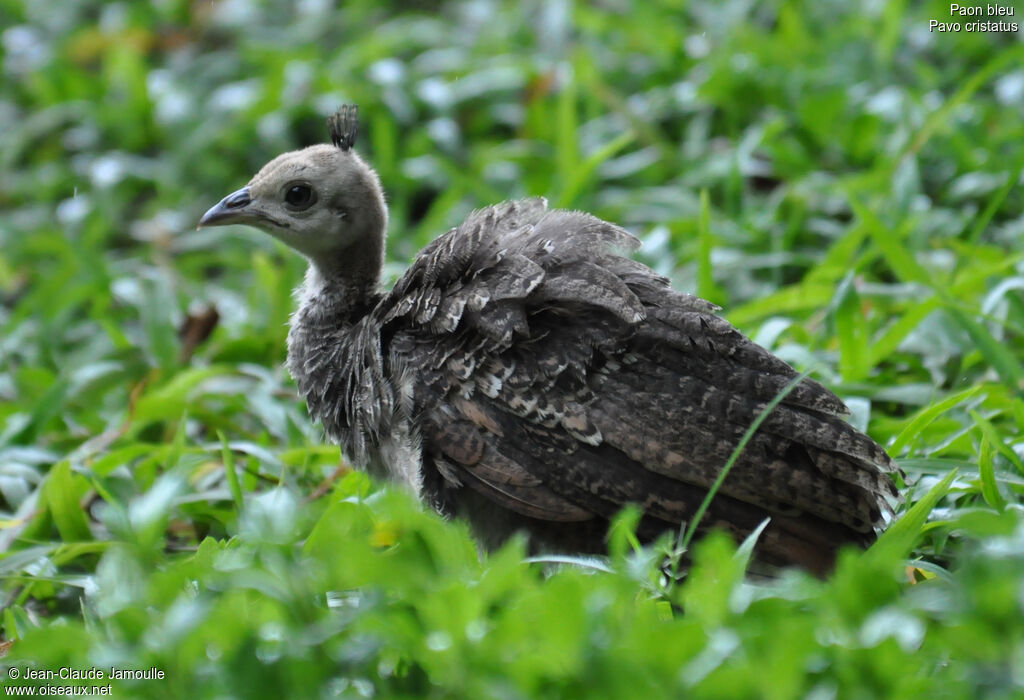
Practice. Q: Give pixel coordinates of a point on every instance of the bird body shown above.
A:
(527, 375)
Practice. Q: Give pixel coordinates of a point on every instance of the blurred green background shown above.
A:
(843, 181)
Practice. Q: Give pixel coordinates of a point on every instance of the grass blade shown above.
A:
(901, 535)
(991, 433)
(987, 473)
(995, 352)
(229, 471)
(706, 286)
(927, 415)
(63, 491)
(691, 530)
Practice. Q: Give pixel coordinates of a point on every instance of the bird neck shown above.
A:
(339, 288)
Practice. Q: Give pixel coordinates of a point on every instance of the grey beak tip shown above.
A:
(227, 209)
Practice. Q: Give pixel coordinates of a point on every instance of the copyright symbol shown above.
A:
(13, 672)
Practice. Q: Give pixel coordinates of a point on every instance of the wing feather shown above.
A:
(560, 381)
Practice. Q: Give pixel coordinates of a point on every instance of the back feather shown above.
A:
(552, 381)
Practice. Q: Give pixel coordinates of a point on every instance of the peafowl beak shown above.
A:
(233, 209)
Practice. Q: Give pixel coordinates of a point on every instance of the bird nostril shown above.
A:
(237, 199)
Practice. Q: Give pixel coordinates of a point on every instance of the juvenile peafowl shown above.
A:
(526, 375)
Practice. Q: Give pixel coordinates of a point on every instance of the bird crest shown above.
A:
(343, 126)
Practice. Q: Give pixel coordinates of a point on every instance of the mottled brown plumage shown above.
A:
(525, 374)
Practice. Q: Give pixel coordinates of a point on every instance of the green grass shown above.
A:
(843, 182)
